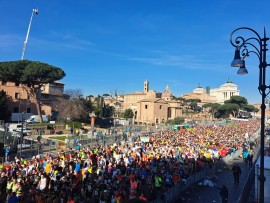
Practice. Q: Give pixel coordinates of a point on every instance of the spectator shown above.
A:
(122, 172)
(42, 183)
(236, 173)
(224, 194)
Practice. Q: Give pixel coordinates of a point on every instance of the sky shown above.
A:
(108, 46)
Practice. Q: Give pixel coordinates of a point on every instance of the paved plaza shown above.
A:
(206, 194)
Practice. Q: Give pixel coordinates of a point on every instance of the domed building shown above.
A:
(167, 94)
(225, 92)
(201, 94)
(199, 90)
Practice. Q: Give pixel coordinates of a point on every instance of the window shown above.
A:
(169, 113)
(17, 95)
(17, 84)
(4, 82)
(145, 106)
(28, 110)
(160, 106)
(16, 110)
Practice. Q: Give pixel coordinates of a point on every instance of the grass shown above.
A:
(45, 124)
(62, 138)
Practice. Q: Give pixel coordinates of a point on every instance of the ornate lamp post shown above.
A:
(258, 47)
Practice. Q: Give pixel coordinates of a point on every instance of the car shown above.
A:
(26, 131)
(24, 146)
(35, 119)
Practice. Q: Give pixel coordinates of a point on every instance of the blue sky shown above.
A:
(106, 45)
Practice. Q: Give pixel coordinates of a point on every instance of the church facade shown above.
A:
(151, 107)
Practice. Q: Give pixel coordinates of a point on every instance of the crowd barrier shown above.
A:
(249, 182)
(175, 192)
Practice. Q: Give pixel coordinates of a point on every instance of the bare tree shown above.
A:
(73, 106)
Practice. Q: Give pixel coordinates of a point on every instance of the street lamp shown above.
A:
(21, 138)
(34, 11)
(258, 47)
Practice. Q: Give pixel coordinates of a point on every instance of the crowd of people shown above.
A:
(125, 171)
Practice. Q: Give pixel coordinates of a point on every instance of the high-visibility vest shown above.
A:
(19, 191)
(9, 185)
(14, 188)
(157, 181)
(82, 155)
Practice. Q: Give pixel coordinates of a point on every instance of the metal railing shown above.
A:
(174, 193)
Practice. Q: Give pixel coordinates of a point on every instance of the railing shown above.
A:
(174, 193)
(250, 180)
(248, 185)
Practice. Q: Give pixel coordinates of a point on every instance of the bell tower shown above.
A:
(146, 86)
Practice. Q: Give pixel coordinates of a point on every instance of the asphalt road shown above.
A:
(206, 194)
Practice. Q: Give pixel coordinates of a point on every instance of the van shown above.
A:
(35, 119)
(16, 129)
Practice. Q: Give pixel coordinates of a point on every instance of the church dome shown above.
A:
(199, 90)
(167, 94)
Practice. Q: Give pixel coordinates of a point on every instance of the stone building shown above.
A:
(215, 95)
(151, 111)
(224, 92)
(200, 93)
(151, 107)
(130, 100)
(22, 102)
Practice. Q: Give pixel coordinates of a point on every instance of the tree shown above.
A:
(193, 104)
(106, 95)
(101, 109)
(108, 111)
(128, 113)
(213, 107)
(249, 108)
(98, 109)
(241, 101)
(73, 106)
(193, 100)
(32, 75)
(178, 120)
(4, 99)
(225, 110)
(74, 93)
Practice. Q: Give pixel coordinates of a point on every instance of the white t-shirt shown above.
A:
(43, 183)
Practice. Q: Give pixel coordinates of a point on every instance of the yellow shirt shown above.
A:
(48, 168)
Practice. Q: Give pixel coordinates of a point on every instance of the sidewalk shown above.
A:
(206, 194)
